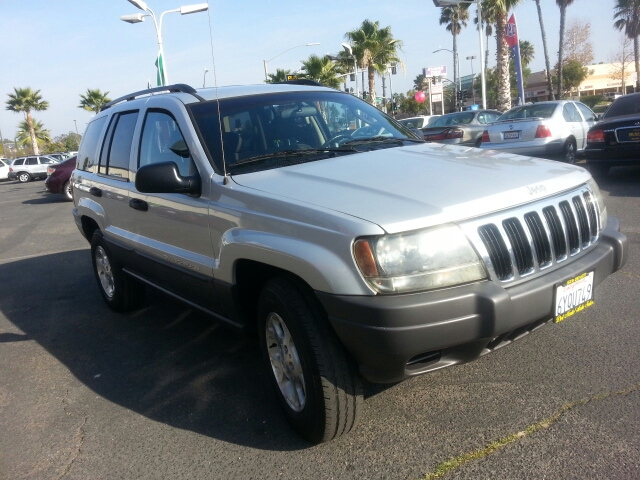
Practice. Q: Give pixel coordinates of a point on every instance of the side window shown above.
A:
(32, 161)
(162, 141)
(19, 161)
(588, 115)
(570, 113)
(45, 160)
(88, 151)
(116, 150)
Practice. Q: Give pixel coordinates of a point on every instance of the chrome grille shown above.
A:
(533, 238)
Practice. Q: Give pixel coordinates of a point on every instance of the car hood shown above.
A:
(406, 188)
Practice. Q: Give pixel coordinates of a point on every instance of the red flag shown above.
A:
(511, 34)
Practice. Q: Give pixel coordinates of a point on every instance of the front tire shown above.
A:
(24, 177)
(316, 382)
(120, 292)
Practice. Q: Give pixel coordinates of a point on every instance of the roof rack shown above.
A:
(178, 87)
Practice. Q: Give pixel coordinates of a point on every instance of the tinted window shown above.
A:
(47, 160)
(32, 161)
(626, 105)
(117, 150)
(162, 141)
(87, 154)
(18, 161)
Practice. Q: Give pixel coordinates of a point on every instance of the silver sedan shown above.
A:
(555, 129)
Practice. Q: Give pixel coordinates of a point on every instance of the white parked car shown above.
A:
(4, 168)
(555, 129)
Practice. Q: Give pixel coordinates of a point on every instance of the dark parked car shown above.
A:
(461, 128)
(58, 179)
(615, 139)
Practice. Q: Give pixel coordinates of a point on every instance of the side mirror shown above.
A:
(165, 178)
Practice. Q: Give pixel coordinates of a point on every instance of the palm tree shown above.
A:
(23, 135)
(279, 76)
(563, 4)
(26, 100)
(94, 100)
(627, 15)
(527, 52)
(323, 70)
(455, 18)
(500, 9)
(374, 49)
(546, 53)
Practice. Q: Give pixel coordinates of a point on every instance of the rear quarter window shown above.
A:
(88, 151)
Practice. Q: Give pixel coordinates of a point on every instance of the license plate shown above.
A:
(573, 296)
(511, 135)
(631, 134)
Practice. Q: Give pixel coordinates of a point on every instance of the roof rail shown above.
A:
(301, 81)
(178, 87)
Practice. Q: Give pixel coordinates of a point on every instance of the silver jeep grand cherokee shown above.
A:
(356, 250)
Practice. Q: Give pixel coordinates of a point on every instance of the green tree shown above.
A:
(94, 100)
(627, 15)
(419, 82)
(26, 132)
(455, 18)
(546, 52)
(323, 70)
(374, 49)
(563, 4)
(27, 100)
(279, 76)
(573, 74)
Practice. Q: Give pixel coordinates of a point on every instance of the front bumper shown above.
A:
(398, 336)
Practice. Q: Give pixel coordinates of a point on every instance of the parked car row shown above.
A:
(559, 130)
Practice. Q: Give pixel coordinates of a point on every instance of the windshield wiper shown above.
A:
(292, 153)
(382, 139)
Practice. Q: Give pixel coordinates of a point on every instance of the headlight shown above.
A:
(602, 209)
(421, 260)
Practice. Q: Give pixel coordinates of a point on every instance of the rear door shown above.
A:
(575, 123)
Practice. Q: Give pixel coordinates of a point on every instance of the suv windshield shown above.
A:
(268, 131)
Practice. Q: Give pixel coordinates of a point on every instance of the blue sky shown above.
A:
(64, 47)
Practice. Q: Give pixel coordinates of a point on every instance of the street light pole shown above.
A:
(204, 78)
(162, 79)
(76, 123)
(265, 62)
(473, 90)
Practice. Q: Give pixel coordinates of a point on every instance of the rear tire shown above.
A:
(569, 152)
(67, 191)
(120, 292)
(24, 177)
(316, 382)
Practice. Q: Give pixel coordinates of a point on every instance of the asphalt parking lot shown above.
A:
(166, 393)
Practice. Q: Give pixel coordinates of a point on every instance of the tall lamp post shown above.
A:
(349, 50)
(473, 90)
(76, 123)
(456, 59)
(449, 3)
(139, 17)
(265, 62)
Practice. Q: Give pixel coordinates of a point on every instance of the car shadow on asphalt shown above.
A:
(621, 181)
(165, 361)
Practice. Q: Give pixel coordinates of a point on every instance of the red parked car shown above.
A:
(58, 178)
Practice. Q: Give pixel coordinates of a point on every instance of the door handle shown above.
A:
(138, 204)
(95, 191)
